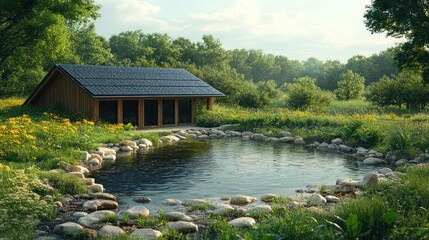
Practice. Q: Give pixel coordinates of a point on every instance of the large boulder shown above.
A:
(106, 151)
(103, 215)
(99, 204)
(146, 234)
(183, 227)
(298, 141)
(242, 200)
(337, 141)
(77, 168)
(68, 228)
(370, 179)
(110, 231)
(135, 212)
(178, 216)
(258, 137)
(106, 196)
(128, 143)
(316, 200)
(88, 221)
(96, 188)
(373, 161)
(268, 197)
(171, 202)
(222, 209)
(242, 222)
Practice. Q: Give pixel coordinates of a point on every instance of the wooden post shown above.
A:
(159, 112)
(95, 110)
(193, 109)
(176, 111)
(141, 113)
(210, 101)
(120, 107)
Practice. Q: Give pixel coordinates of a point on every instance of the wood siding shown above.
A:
(62, 91)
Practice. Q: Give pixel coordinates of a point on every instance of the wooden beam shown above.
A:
(95, 110)
(120, 107)
(210, 101)
(159, 112)
(140, 116)
(176, 111)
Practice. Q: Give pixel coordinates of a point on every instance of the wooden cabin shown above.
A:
(144, 97)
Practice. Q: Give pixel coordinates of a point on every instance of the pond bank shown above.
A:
(195, 215)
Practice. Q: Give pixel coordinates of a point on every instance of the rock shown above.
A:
(242, 222)
(242, 200)
(103, 215)
(147, 142)
(86, 156)
(401, 162)
(77, 168)
(58, 204)
(225, 197)
(183, 227)
(284, 134)
(272, 139)
(194, 132)
(117, 149)
(128, 143)
(260, 209)
(106, 196)
(373, 161)
(107, 151)
(142, 146)
(171, 202)
(135, 212)
(97, 156)
(268, 197)
(370, 179)
(293, 205)
(331, 199)
(286, 139)
(79, 214)
(194, 202)
(146, 234)
(96, 188)
(88, 181)
(142, 200)
(182, 133)
(346, 182)
(298, 141)
(169, 138)
(337, 141)
(203, 136)
(76, 174)
(323, 146)
(90, 233)
(345, 149)
(126, 149)
(56, 171)
(94, 205)
(361, 152)
(88, 221)
(316, 200)
(68, 228)
(222, 209)
(373, 153)
(391, 158)
(247, 134)
(235, 134)
(178, 216)
(94, 162)
(110, 231)
(385, 171)
(258, 137)
(110, 158)
(180, 137)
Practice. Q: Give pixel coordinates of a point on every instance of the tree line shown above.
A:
(37, 34)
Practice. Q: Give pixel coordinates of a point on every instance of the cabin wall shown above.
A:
(62, 91)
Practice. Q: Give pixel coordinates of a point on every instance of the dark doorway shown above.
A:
(108, 111)
(150, 112)
(185, 111)
(168, 111)
(130, 112)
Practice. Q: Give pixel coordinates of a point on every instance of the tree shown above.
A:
(351, 86)
(35, 34)
(24, 22)
(304, 94)
(403, 19)
(91, 48)
(406, 88)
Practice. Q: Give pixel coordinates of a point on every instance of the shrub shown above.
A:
(305, 95)
(23, 200)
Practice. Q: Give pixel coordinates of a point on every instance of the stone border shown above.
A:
(92, 210)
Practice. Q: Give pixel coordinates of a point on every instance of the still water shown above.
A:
(210, 168)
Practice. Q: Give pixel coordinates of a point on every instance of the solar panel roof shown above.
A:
(116, 81)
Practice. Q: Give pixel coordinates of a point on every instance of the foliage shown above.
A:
(303, 94)
(407, 88)
(407, 19)
(23, 200)
(350, 87)
(65, 184)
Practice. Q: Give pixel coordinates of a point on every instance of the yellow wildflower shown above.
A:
(7, 168)
(1, 166)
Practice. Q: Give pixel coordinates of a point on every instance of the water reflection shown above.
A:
(194, 169)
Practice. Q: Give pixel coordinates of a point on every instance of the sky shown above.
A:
(324, 29)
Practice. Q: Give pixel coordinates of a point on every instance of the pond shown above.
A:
(209, 168)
